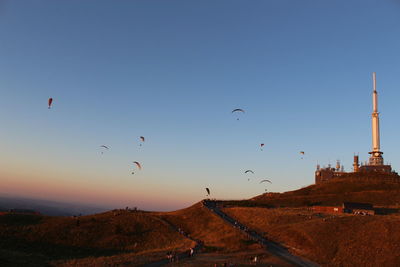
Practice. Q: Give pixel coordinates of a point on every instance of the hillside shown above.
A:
(119, 232)
(380, 192)
(123, 238)
(344, 240)
(126, 237)
(202, 224)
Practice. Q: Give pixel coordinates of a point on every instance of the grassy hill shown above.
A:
(48, 239)
(122, 237)
(354, 188)
(204, 225)
(341, 240)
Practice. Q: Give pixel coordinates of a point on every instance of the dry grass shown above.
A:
(375, 191)
(329, 240)
(102, 235)
(239, 259)
(204, 225)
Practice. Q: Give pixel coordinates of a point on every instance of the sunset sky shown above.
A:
(172, 71)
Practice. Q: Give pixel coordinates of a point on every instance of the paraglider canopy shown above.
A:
(237, 110)
(248, 179)
(103, 146)
(138, 165)
(208, 191)
(302, 152)
(265, 180)
(141, 139)
(50, 102)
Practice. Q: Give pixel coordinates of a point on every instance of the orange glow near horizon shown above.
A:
(39, 184)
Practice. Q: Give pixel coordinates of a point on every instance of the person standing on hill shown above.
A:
(255, 260)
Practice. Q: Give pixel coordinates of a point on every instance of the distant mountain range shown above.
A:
(48, 207)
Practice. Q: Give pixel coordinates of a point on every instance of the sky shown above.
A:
(172, 71)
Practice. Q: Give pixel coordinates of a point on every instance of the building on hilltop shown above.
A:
(375, 163)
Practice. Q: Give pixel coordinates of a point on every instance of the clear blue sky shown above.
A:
(172, 71)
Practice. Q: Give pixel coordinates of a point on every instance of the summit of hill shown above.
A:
(377, 189)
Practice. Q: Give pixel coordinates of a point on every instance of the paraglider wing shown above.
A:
(208, 191)
(237, 109)
(138, 165)
(103, 146)
(50, 101)
(262, 145)
(302, 152)
(266, 181)
(142, 138)
(249, 171)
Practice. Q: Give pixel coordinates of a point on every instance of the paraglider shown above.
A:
(302, 153)
(105, 147)
(265, 180)
(141, 139)
(248, 179)
(261, 147)
(208, 191)
(50, 102)
(138, 165)
(238, 110)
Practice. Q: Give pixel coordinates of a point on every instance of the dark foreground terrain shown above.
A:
(138, 238)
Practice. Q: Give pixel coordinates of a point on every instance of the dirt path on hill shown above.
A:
(183, 255)
(272, 247)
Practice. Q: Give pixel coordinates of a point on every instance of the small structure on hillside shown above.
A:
(375, 163)
(347, 207)
(358, 208)
(327, 209)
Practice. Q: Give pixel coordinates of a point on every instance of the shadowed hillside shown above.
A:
(125, 237)
(106, 234)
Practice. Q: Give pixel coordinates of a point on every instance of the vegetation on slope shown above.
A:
(344, 240)
(206, 226)
(355, 188)
(111, 233)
